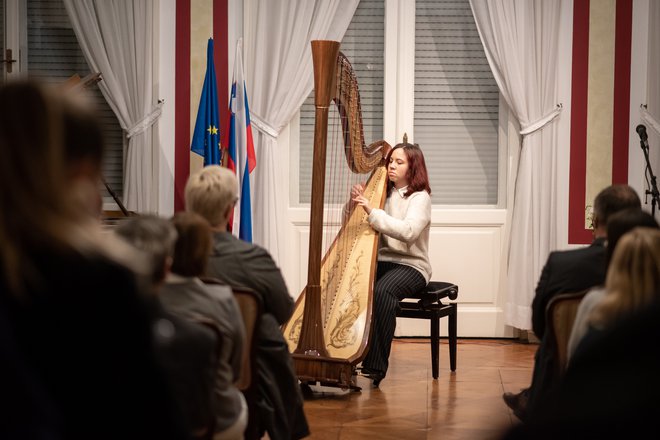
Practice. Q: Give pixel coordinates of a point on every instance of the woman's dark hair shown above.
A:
(418, 178)
(623, 221)
(193, 244)
(40, 133)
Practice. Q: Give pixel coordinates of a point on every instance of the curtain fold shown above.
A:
(520, 38)
(652, 112)
(116, 37)
(279, 78)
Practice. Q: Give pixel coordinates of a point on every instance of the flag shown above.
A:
(206, 136)
(242, 159)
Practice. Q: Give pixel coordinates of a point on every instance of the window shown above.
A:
(456, 99)
(363, 45)
(54, 55)
(456, 104)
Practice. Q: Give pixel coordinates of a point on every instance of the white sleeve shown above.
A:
(416, 218)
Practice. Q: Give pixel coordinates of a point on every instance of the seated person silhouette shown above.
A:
(185, 295)
(611, 385)
(74, 319)
(212, 193)
(620, 223)
(568, 271)
(186, 348)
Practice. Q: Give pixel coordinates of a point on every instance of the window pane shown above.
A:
(456, 104)
(54, 55)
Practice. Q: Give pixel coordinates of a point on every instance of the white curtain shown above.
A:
(279, 78)
(651, 114)
(116, 39)
(520, 38)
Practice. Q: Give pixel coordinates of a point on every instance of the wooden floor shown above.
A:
(465, 404)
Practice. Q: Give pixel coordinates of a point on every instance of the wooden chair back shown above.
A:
(560, 316)
(250, 305)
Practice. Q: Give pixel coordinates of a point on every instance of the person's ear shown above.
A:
(168, 264)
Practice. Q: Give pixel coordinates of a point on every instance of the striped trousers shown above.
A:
(393, 283)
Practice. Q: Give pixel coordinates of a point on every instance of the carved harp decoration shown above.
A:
(329, 330)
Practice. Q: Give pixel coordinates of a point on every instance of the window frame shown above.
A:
(398, 99)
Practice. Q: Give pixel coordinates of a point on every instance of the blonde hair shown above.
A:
(633, 277)
(210, 192)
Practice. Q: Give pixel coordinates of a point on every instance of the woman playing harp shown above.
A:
(403, 261)
(329, 330)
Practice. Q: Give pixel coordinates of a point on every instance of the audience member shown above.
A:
(74, 320)
(633, 280)
(611, 385)
(619, 224)
(185, 295)
(212, 193)
(185, 349)
(569, 271)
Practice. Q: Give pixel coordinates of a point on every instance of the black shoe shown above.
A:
(375, 375)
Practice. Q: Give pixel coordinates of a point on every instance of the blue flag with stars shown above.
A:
(206, 136)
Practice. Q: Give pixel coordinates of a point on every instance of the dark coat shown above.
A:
(242, 264)
(610, 389)
(565, 271)
(82, 335)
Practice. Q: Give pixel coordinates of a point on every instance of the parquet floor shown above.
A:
(466, 404)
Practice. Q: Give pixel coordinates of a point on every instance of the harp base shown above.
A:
(327, 371)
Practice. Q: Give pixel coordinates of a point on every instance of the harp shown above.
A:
(328, 332)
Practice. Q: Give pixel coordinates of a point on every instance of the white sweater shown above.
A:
(404, 224)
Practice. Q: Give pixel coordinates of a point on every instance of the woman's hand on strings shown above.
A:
(357, 190)
(357, 196)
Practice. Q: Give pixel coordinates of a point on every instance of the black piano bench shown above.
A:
(427, 304)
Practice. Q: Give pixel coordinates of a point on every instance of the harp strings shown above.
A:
(339, 180)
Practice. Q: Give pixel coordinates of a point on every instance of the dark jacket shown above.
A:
(83, 334)
(242, 264)
(565, 271)
(610, 389)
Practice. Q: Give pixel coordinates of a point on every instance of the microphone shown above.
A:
(641, 131)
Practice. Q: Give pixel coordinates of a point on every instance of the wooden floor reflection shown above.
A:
(465, 404)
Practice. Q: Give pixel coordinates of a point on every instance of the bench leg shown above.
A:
(435, 345)
(452, 336)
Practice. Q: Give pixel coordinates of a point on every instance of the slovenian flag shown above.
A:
(242, 159)
(206, 136)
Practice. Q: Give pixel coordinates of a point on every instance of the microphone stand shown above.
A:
(653, 191)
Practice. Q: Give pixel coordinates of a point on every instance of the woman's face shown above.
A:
(397, 169)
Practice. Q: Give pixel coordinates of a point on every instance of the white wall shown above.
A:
(165, 91)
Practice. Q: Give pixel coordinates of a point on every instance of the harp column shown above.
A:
(325, 55)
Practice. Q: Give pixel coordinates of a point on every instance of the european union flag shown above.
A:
(206, 136)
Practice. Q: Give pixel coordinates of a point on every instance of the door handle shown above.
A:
(8, 60)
